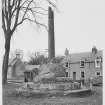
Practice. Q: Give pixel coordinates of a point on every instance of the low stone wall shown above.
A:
(54, 86)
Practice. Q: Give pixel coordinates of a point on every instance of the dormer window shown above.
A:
(98, 62)
(82, 64)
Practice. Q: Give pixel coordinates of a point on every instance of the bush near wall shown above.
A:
(57, 80)
(97, 81)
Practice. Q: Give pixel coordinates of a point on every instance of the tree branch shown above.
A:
(13, 10)
(3, 22)
(51, 3)
(17, 16)
(31, 9)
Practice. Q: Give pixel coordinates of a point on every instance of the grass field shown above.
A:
(10, 99)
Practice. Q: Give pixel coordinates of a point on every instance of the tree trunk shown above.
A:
(6, 58)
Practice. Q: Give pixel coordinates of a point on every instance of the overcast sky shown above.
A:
(79, 25)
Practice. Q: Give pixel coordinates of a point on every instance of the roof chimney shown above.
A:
(94, 50)
(66, 52)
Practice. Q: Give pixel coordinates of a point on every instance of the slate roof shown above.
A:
(86, 56)
(15, 61)
(12, 61)
(31, 67)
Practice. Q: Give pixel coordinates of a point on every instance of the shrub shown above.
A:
(64, 79)
(97, 80)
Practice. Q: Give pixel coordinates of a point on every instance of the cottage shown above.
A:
(17, 68)
(30, 72)
(83, 65)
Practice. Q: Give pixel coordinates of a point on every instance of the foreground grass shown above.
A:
(10, 99)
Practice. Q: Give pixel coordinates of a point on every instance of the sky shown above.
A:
(79, 25)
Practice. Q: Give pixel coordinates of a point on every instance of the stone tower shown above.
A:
(51, 40)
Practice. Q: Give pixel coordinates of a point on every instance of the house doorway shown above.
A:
(74, 75)
(82, 75)
(66, 74)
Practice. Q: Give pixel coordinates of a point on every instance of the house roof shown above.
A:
(31, 67)
(12, 61)
(86, 56)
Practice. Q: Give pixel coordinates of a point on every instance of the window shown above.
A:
(67, 64)
(74, 75)
(82, 64)
(98, 62)
(82, 75)
(98, 73)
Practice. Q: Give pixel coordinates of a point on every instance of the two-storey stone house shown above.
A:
(83, 65)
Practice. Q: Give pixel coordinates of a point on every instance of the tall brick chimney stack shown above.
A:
(51, 40)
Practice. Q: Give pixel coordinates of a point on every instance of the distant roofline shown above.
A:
(84, 52)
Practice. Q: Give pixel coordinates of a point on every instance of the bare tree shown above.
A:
(14, 13)
(37, 59)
